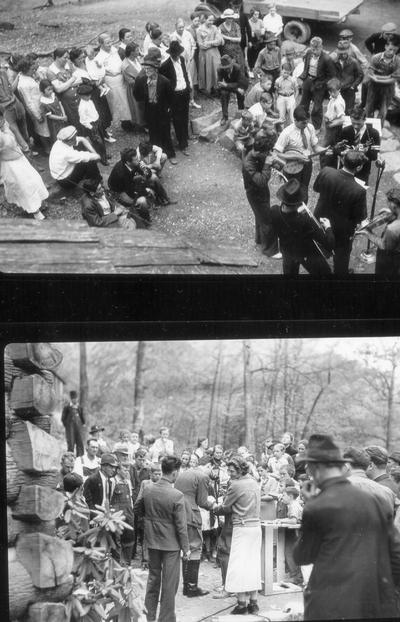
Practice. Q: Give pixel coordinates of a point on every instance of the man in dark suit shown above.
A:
(73, 419)
(318, 70)
(193, 483)
(351, 542)
(231, 79)
(377, 468)
(166, 535)
(364, 138)
(155, 92)
(343, 201)
(98, 489)
(174, 69)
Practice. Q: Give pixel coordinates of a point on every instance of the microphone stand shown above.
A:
(368, 256)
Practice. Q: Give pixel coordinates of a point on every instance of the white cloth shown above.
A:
(23, 184)
(95, 71)
(258, 113)
(290, 138)
(63, 158)
(180, 78)
(312, 68)
(84, 460)
(273, 23)
(161, 447)
(335, 108)
(87, 113)
(80, 73)
(29, 91)
(244, 566)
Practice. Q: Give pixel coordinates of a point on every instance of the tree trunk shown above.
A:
(249, 422)
(83, 377)
(213, 391)
(225, 424)
(138, 396)
(390, 404)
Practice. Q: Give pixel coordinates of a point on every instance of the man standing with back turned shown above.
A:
(350, 540)
(166, 535)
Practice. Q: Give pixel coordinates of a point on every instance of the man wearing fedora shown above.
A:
(231, 79)
(155, 92)
(73, 418)
(174, 69)
(301, 240)
(98, 488)
(269, 59)
(351, 542)
(95, 432)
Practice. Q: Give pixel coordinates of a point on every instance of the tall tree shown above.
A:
(83, 378)
(249, 418)
(138, 395)
(214, 390)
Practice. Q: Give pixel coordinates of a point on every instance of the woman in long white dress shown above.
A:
(117, 96)
(22, 183)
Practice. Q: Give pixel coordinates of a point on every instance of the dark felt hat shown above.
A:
(85, 89)
(395, 456)
(96, 428)
(291, 193)
(153, 58)
(322, 448)
(175, 48)
(226, 61)
(269, 37)
(109, 459)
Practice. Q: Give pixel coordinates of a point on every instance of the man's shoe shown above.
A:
(253, 607)
(239, 611)
(185, 152)
(194, 590)
(173, 161)
(110, 139)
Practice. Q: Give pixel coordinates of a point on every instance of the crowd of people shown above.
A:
(69, 108)
(206, 506)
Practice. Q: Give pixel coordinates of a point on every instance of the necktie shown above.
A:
(304, 139)
(109, 490)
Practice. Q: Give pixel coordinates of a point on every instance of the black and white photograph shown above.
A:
(198, 480)
(259, 138)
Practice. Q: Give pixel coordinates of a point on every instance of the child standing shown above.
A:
(52, 109)
(290, 498)
(89, 120)
(335, 113)
(286, 92)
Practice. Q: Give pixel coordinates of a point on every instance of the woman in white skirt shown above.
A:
(22, 183)
(242, 501)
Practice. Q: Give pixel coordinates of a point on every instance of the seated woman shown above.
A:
(99, 209)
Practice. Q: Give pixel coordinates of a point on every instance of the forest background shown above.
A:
(239, 392)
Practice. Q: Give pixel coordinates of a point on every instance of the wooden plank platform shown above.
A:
(72, 247)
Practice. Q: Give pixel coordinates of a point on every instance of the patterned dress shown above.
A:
(231, 48)
(208, 39)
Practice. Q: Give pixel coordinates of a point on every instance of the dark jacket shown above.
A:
(137, 477)
(193, 483)
(93, 213)
(164, 514)
(370, 138)
(376, 43)
(93, 490)
(234, 77)
(132, 182)
(167, 70)
(68, 415)
(325, 69)
(342, 200)
(164, 94)
(298, 236)
(355, 551)
(256, 174)
(385, 480)
(350, 73)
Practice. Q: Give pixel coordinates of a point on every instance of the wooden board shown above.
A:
(16, 527)
(48, 560)
(123, 257)
(322, 11)
(47, 612)
(33, 356)
(31, 396)
(38, 503)
(32, 448)
(226, 256)
(12, 476)
(101, 267)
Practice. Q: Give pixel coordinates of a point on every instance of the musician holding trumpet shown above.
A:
(388, 244)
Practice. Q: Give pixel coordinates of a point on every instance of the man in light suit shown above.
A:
(193, 483)
(166, 535)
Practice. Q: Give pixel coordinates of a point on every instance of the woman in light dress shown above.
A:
(30, 94)
(131, 67)
(209, 39)
(117, 96)
(22, 183)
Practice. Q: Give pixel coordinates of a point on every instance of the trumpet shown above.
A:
(384, 217)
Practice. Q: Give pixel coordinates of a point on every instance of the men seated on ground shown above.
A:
(100, 210)
(72, 158)
(129, 181)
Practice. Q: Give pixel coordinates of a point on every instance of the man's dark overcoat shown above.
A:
(355, 551)
(194, 485)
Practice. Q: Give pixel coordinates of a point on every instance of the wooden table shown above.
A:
(273, 534)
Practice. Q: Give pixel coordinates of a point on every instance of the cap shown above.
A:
(109, 459)
(121, 448)
(395, 456)
(66, 133)
(344, 34)
(377, 454)
(95, 428)
(389, 27)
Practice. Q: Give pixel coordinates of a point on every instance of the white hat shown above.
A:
(229, 13)
(67, 132)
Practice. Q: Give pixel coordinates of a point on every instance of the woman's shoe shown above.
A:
(253, 607)
(239, 610)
